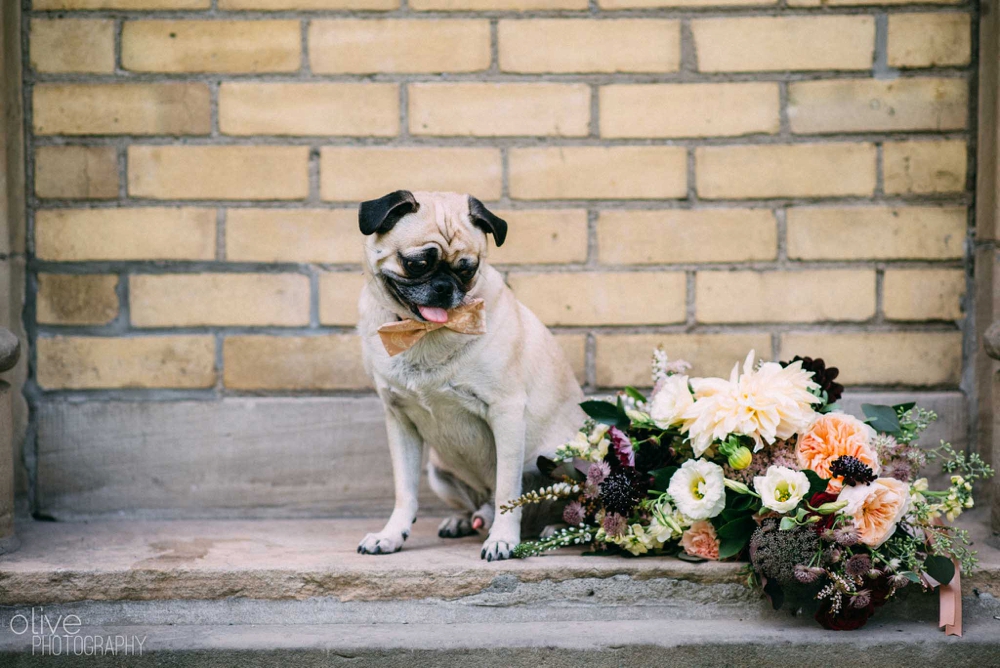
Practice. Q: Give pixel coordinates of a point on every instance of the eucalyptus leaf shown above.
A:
(881, 418)
(787, 524)
(602, 411)
(912, 577)
(902, 408)
(940, 568)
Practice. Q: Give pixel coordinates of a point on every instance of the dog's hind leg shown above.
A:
(459, 496)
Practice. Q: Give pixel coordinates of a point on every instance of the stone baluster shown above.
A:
(10, 351)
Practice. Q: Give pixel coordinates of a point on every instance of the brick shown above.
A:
(574, 347)
(358, 46)
(195, 300)
(866, 105)
(308, 5)
(338, 297)
(293, 235)
(76, 172)
(929, 40)
(588, 45)
(500, 109)
(65, 299)
(148, 233)
(120, 4)
(88, 363)
(603, 298)
(350, 109)
(784, 296)
(542, 236)
(755, 44)
(683, 236)
(850, 3)
(73, 45)
(925, 167)
(218, 172)
(129, 109)
(358, 173)
(650, 4)
(623, 359)
(598, 172)
(923, 294)
(211, 46)
(876, 233)
(884, 358)
(689, 110)
(496, 5)
(330, 362)
(799, 170)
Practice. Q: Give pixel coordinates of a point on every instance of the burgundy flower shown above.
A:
(848, 618)
(825, 521)
(622, 447)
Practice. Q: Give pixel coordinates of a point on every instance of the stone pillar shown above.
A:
(10, 349)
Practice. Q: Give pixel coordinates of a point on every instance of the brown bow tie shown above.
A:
(400, 336)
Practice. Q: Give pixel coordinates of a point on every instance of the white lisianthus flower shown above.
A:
(671, 401)
(781, 488)
(768, 403)
(698, 489)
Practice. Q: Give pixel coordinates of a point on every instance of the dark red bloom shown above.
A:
(825, 521)
(848, 619)
(622, 447)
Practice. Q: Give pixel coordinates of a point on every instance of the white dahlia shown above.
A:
(698, 489)
(768, 403)
(668, 405)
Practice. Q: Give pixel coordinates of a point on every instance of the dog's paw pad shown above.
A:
(456, 527)
(381, 543)
(496, 550)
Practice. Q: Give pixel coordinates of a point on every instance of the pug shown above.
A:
(486, 398)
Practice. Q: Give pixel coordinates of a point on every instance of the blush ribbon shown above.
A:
(950, 602)
(400, 336)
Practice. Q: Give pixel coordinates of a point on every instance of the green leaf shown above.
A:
(817, 484)
(602, 411)
(881, 418)
(635, 394)
(624, 421)
(744, 502)
(734, 536)
(902, 408)
(661, 477)
(911, 576)
(787, 524)
(940, 568)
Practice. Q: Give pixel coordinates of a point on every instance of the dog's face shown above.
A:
(426, 248)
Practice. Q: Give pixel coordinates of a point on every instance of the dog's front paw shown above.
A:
(456, 526)
(382, 543)
(497, 549)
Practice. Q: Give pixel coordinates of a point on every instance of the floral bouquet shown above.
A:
(827, 508)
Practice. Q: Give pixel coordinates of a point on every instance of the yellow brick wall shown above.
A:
(713, 175)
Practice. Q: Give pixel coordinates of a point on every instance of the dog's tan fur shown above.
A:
(486, 406)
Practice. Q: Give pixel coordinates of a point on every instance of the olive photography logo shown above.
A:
(61, 634)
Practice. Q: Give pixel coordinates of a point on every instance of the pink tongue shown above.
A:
(433, 313)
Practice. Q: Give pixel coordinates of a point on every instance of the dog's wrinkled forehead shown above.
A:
(458, 224)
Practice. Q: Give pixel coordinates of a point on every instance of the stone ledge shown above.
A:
(302, 559)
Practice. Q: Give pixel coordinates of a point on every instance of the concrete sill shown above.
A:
(301, 559)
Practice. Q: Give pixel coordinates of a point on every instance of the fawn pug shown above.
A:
(462, 367)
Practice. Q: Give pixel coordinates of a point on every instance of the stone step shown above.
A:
(295, 592)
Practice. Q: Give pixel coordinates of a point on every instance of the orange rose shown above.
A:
(831, 436)
(876, 508)
(700, 540)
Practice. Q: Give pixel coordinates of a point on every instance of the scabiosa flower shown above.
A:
(807, 574)
(861, 599)
(614, 525)
(597, 472)
(858, 565)
(622, 446)
(846, 536)
(621, 492)
(574, 513)
(852, 470)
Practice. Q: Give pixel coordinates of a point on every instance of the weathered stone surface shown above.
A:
(241, 456)
(991, 341)
(10, 350)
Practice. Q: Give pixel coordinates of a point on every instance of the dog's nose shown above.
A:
(441, 288)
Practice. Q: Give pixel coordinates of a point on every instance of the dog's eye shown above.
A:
(417, 267)
(466, 270)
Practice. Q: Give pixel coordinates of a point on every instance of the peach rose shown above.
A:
(876, 508)
(831, 436)
(700, 540)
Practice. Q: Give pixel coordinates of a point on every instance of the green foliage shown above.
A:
(940, 568)
(882, 418)
(817, 484)
(735, 535)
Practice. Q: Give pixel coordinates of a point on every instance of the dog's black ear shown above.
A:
(484, 218)
(379, 215)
